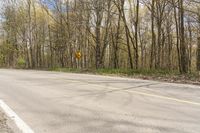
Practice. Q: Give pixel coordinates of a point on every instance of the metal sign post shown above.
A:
(78, 57)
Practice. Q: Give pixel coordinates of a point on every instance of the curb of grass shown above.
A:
(158, 75)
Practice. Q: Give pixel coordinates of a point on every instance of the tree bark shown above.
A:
(198, 55)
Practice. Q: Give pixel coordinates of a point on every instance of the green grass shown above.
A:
(163, 75)
(132, 72)
(65, 70)
(122, 72)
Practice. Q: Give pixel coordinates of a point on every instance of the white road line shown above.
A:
(164, 97)
(18, 121)
(148, 94)
(152, 95)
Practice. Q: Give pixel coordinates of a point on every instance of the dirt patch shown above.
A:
(172, 79)
(4, 128)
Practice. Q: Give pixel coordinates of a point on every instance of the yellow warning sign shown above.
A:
(78, 55)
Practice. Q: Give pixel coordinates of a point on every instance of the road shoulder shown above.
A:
(6, 125)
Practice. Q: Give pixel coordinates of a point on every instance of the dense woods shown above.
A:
(132, 34)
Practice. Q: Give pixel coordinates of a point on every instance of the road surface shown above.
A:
(53, 102)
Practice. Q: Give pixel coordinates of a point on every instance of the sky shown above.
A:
(48, 3)
(1, 6)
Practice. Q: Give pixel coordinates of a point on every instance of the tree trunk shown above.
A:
(153, 41)
(136, 34)
(183, 56)
(198, 55)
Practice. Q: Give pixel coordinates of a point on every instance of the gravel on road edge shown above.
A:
(4, 128)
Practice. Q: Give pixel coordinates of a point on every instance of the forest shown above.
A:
(116, 34)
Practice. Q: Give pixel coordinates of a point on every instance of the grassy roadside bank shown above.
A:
(160, 75)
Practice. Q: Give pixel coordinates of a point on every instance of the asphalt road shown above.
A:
(53, 102)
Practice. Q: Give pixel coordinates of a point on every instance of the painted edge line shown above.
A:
(164, 97)
(13, 116)
(153, 95)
